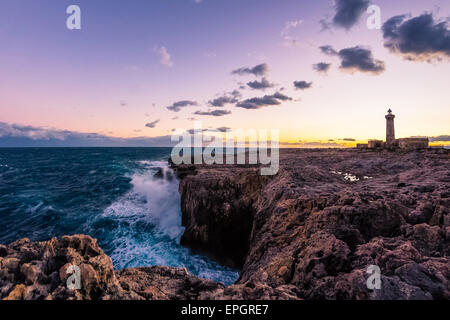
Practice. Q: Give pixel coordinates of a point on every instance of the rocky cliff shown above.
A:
(310, 232)
(313, 229)
(38, 270)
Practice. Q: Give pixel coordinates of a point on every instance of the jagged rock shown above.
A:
(306, 233)
(164, 283)
(37, 270)
(310, 228)
(3, 250)
(45, 277)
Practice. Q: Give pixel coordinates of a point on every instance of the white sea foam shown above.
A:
(33, 209)
(149, 229)
(153, 164)
(162, 202)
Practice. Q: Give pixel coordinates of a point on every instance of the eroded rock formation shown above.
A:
(324, 218)
(310, 232)
(38, 270)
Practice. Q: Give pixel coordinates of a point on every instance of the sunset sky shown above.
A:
(142, 68)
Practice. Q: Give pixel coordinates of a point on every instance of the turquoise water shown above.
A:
(108, 193)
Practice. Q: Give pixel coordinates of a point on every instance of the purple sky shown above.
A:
(133, 59)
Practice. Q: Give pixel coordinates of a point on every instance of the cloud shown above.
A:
(420, 38)
(176, 106)
(325, 24)
(319, 144)
(152, 124)
(223, 129)
(348, 139)
(360, 59)
(348, 12)
(302, 85)
(165, 56)
(260, 85)
(313, 144)
(30, 132)
(13, 135)
(259, 70)
(286, 34)
(222, 101)
(228, 98)
(328, 50)
(215, 113)
(443, 138)
(356, 59)
(267, 100)
(322, 67)
(236, 93)
(192, 131)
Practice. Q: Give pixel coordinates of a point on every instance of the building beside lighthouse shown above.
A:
(391, 142)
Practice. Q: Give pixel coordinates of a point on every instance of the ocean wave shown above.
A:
(126, 198)
(145, 226)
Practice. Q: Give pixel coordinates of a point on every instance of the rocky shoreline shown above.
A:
(310, 232)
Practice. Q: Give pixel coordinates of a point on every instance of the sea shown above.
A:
(111, 194)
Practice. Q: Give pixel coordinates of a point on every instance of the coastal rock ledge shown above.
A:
(314, 229)
(38, 271)
(309, 232)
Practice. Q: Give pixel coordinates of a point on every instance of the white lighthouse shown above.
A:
(390, 129)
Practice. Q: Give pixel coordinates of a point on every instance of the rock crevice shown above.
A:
(306, 233)
(317, 231)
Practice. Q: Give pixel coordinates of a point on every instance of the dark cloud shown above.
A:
(360, 59)
(236, 93)
(328, 50)
(420, 38)
(152, 124)
(322, 67)
(320, 144)
(354, 59)
(325, 24)
(261, 85)
(443, 138)
(348, 139)
(259, 70)
(302, 85)
(223, 129)
(176, 107)
(348, 12)
(12, 135)
(192, 131)
(215, 113)
(230, 98)
(222, 101)
(267, 100)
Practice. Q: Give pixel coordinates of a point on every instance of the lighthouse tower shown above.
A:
(390, 130)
